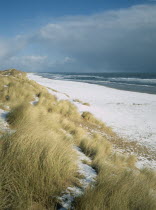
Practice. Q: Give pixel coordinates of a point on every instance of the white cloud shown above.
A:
(35, 63)
(120, 40)
(29, 63)
(28, 60)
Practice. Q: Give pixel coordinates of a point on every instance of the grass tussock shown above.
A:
(119, 189)
(38, 161)
(88, 117)
(16, 88)
(81, 102)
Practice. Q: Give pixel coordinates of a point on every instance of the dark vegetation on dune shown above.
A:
(37, 160)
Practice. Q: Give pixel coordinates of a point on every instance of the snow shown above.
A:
(6, 107)
(35, 101)
(131, 114)
(84, 169)
(143, 162)
(89, 175)
(3, 124)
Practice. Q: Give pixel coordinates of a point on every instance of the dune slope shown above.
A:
(39, 163)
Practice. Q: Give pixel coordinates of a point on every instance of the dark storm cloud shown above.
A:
(119, 40)
(115, 40)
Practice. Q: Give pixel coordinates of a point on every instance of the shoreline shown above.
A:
(112, 108)
(139, 88)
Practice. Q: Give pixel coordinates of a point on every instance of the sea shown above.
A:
(136, 82)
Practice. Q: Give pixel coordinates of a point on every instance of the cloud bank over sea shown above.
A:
(115, 40)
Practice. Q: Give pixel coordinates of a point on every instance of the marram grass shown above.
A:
(38, 161)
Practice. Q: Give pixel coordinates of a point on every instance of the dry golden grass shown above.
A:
(81, 102)
(118, 189)
(38, 161)
(16, 89)
(120, 185)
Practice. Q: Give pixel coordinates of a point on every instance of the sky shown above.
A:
(78, 36)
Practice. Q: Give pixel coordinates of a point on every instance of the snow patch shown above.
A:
(36, 99)
(3, 123)
(89, 175)
(144, 162)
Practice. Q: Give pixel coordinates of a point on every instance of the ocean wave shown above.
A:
(102, 78)
(101, 82)
(134, 80)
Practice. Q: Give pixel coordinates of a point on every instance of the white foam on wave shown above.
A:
(103, 79)
(134, 80)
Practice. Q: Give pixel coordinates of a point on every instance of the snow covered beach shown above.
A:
(130, 114)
